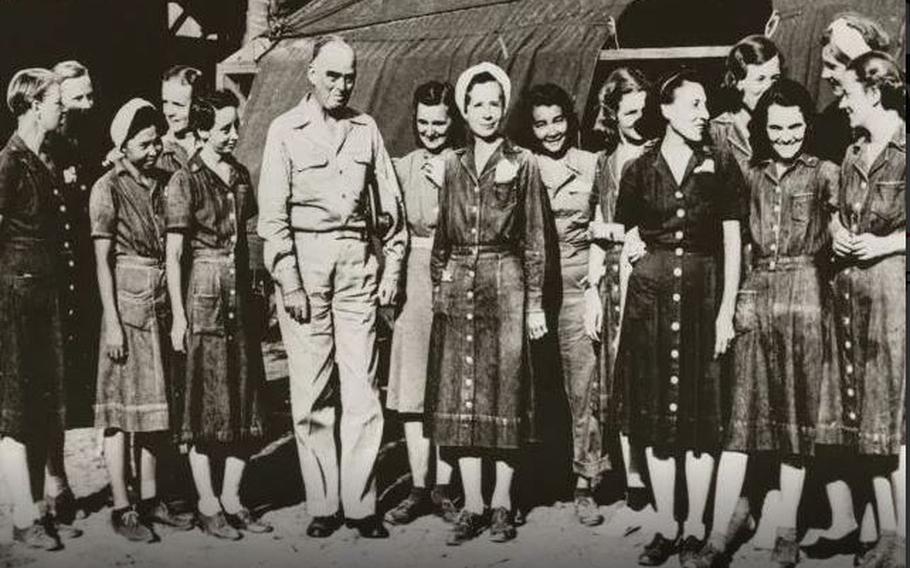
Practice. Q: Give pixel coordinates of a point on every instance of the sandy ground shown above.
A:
(550, 538)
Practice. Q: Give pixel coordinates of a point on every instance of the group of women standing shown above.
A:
(173, 276)
(721, 293)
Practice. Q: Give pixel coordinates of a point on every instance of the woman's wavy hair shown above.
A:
(785, 93)
(620, 82)
(878, 70)
(434, 93)
(547, 94)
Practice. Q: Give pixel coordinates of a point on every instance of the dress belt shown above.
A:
(481, 249)
(139, 261)
(783, 262)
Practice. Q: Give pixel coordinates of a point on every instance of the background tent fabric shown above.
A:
(401, 44)
(800, 30)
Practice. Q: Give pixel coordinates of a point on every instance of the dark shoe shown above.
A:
(710, 556)
(415, 505)
(217, 526)
(786, 548)
(466, 527)
(155, 511)
(658, 551)
(862, 550)
(244, 520)
(36, 536)
(55, 527)
(444, 505)
(323, 527)
(586, 510)
(825, 548)
(62, 507)
(502, 529)
(879, 555)
(127, 523)
(368, 527)
(689, 548)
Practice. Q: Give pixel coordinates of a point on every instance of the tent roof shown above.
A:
(401, 44)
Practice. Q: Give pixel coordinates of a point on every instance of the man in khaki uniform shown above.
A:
(314, 207)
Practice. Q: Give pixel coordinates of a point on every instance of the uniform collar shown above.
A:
(308, 110)
(122, 167)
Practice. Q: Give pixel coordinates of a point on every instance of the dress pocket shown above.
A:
(888, 199)
(136, 311)
(208, 315)
(802, 206)
(745, 316)
(506, 193)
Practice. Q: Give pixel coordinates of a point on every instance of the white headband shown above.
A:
(461, 86)
(847, 39)
(120, 126)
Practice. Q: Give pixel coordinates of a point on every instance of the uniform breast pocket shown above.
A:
(802, 204)
(506, 193)
(888, 199)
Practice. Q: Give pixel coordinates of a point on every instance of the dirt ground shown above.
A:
(550, 538)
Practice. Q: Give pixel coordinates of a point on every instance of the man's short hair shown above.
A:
(325, 40)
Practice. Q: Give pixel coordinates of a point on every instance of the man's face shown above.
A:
(175, 104)
(332, 75)
(77, 94)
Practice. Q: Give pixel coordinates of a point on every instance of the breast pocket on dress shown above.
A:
(505, 193)
(888, 199)
(802, 204)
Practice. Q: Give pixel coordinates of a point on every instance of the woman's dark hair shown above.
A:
(751, 50)
(546, 94)
(785, 93)
(653, 124)
(480, 79)
(620, 82)
(144, 118)
(204, 106)
(876, 69)
(434, 93)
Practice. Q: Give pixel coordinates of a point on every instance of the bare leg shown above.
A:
(791, 490)
(15, 470)
(418, 452)
(633, 470)
(202, 477)
(899, 485)
(868, 530)
(502, 490)
(148, 465)
(55, 481)
(730, 476)
(230, 487)
(884, 503)
(115, 459)
(663, 482)
(443, 470)
(698, 483)
(470, 478)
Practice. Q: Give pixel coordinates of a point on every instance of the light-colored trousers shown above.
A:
(340, 278)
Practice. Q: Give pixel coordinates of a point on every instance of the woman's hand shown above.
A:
(842, 241)
(114, 344)
(593, 314)
(724, 332)
(178, 334)
(869, 247)
(537, 325)
(600, 231)
(635, 247)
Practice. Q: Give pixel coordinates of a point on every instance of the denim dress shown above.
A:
(862, 409)
(218, 396)
(783, 311)
(133, 395)
(487, 271)
(672, 385)
(31, 346)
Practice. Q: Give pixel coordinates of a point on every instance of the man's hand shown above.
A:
(593, 314)
(388, 292)
(297, 305)
(537, 325)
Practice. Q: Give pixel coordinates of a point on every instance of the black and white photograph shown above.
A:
(453, 283)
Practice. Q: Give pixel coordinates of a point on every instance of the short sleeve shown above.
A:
(628, 202)
(179, 208)
(10, 178)
(102, 210)
(829, 181)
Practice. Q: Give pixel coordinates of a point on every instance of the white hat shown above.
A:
(847, 39)
(461, 87)
(120, 126)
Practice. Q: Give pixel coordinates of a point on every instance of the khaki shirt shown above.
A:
(309, 182)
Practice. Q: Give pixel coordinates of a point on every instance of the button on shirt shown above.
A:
(878, 190)
(198, 199)
(788, 214)
(310, 182)
(124, 209)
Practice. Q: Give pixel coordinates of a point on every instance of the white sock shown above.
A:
(24, 515)
(231, 504)
(209, 507)
(694, 529)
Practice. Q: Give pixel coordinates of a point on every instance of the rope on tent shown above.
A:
(772, 23)
(502, 45)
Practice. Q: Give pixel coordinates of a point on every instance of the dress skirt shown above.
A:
(31, 344)
(411, 338)
(219, 399)
(479, 391)
(862, 408)
(781, 356)
(133, 394)
(670, 381)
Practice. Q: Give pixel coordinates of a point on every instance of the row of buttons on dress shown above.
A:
(676, 308)
(468, 393)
